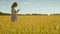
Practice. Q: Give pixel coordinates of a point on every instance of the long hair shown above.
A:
(14, 4)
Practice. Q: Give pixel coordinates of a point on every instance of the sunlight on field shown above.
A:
(30, 25)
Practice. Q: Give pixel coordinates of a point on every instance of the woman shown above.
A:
(14, 12)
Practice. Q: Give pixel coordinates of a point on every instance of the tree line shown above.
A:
(28, 14)
(4, 13)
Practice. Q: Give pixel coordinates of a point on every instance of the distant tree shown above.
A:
(4, 13)
(56, 14)
(0, 12)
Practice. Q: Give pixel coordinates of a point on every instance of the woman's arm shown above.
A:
(18, 10)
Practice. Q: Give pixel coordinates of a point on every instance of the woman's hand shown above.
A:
(18, 10)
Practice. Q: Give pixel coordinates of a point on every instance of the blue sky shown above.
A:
(32, 6)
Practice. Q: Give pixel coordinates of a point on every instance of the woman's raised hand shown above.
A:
(18, 10)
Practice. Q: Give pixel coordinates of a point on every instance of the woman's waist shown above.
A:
(14, 15)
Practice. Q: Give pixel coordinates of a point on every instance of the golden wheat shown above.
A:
(30, 25)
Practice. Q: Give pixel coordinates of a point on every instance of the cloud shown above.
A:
(26, 3)
(34, 3)
(4, 0)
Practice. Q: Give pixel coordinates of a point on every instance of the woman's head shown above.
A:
(14, 4)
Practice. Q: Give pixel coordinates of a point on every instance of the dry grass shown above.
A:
(30, 25)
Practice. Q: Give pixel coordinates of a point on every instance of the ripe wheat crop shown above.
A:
(30, 25)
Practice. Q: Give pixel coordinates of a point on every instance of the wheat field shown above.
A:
(30, 25)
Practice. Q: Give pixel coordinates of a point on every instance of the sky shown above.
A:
(31, 6)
